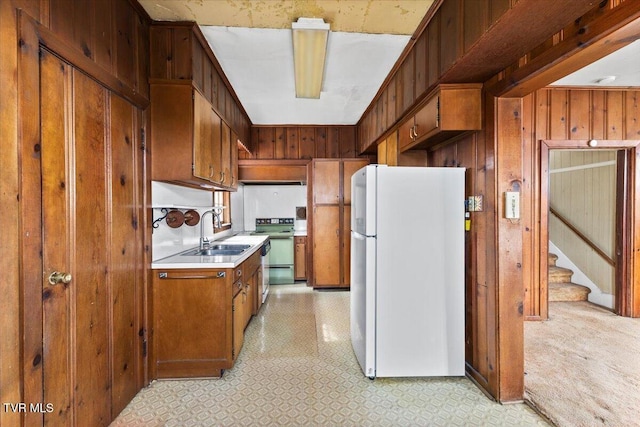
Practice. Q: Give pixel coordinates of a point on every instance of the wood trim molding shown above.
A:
(272, 170)
(30, 211)
(609, 32)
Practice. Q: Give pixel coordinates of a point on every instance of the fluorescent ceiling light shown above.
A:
(309, 50)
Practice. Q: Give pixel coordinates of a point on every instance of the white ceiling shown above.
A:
(252, 41)
(624, 64)
(259, 65)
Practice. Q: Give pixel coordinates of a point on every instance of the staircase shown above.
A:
(560, 286)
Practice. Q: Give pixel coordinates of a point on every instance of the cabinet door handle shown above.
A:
(210, 171)
(415, 131)
(412, 133)
(218, 275)
(221, 176)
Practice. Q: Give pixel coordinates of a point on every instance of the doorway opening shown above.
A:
(614, 240)
(584, 351)
(582, 225)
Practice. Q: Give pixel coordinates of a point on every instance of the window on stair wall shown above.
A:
(222, 198)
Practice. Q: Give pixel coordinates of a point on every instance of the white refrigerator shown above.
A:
(407, 271)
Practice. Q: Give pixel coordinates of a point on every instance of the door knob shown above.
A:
(57, 277)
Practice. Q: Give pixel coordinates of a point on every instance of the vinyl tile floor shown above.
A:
(297, 368)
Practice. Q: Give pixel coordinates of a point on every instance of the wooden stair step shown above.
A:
(568, 292)
(559, 274)
(552, 259)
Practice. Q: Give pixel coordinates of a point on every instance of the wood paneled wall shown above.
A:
(301, 142)
(564, 114)
(179, 51)
(113, 34)
(110, 39)
(494, 268)
(461, 41)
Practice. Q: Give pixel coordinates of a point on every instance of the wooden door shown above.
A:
(238, 322)
(405, 134)
(349, 168)
(190, 323)
(326, 182)
(300, 258)
(225, 155)
(427, 118)
(346, 246)
(91, 195)
(216, 147)
(326, 246)
(202, 137)
(234, 160)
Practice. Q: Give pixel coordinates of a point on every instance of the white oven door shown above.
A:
(281, 260)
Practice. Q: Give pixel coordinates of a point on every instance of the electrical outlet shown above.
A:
(474, 204)
(512, 204)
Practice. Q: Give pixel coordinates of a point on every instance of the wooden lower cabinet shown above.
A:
(199, 318)
(326, 246)
(239, 310)
(300, 258)
(192, 321)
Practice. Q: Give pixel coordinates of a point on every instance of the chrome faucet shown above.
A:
(204, 241)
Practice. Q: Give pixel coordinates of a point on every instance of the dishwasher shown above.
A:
(264, 262)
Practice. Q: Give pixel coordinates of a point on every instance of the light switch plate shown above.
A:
(512, 204)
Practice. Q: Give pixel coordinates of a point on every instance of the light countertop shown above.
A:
(215, 261)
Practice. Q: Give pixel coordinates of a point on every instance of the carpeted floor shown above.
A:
(582, 366)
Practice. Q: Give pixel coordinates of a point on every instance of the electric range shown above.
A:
(280, 232)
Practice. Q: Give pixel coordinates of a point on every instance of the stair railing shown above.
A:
(582, 237)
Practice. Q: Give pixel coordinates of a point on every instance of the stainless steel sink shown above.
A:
(230, 247)
(218, 250)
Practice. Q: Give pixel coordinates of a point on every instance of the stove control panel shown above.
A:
(274, 221)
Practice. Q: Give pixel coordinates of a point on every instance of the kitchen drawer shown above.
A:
(237, 287)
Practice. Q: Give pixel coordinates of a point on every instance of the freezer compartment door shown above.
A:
(363, 200)
(363, 297)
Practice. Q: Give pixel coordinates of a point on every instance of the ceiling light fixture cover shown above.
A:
(309, 50)
(606, 80)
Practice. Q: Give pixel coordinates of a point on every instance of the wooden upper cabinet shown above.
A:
(225, 155)
(179, 53)
(234, 161)
(326, 182)
(203, 128)
(217, 143)
(448, 110)
(187, 145)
